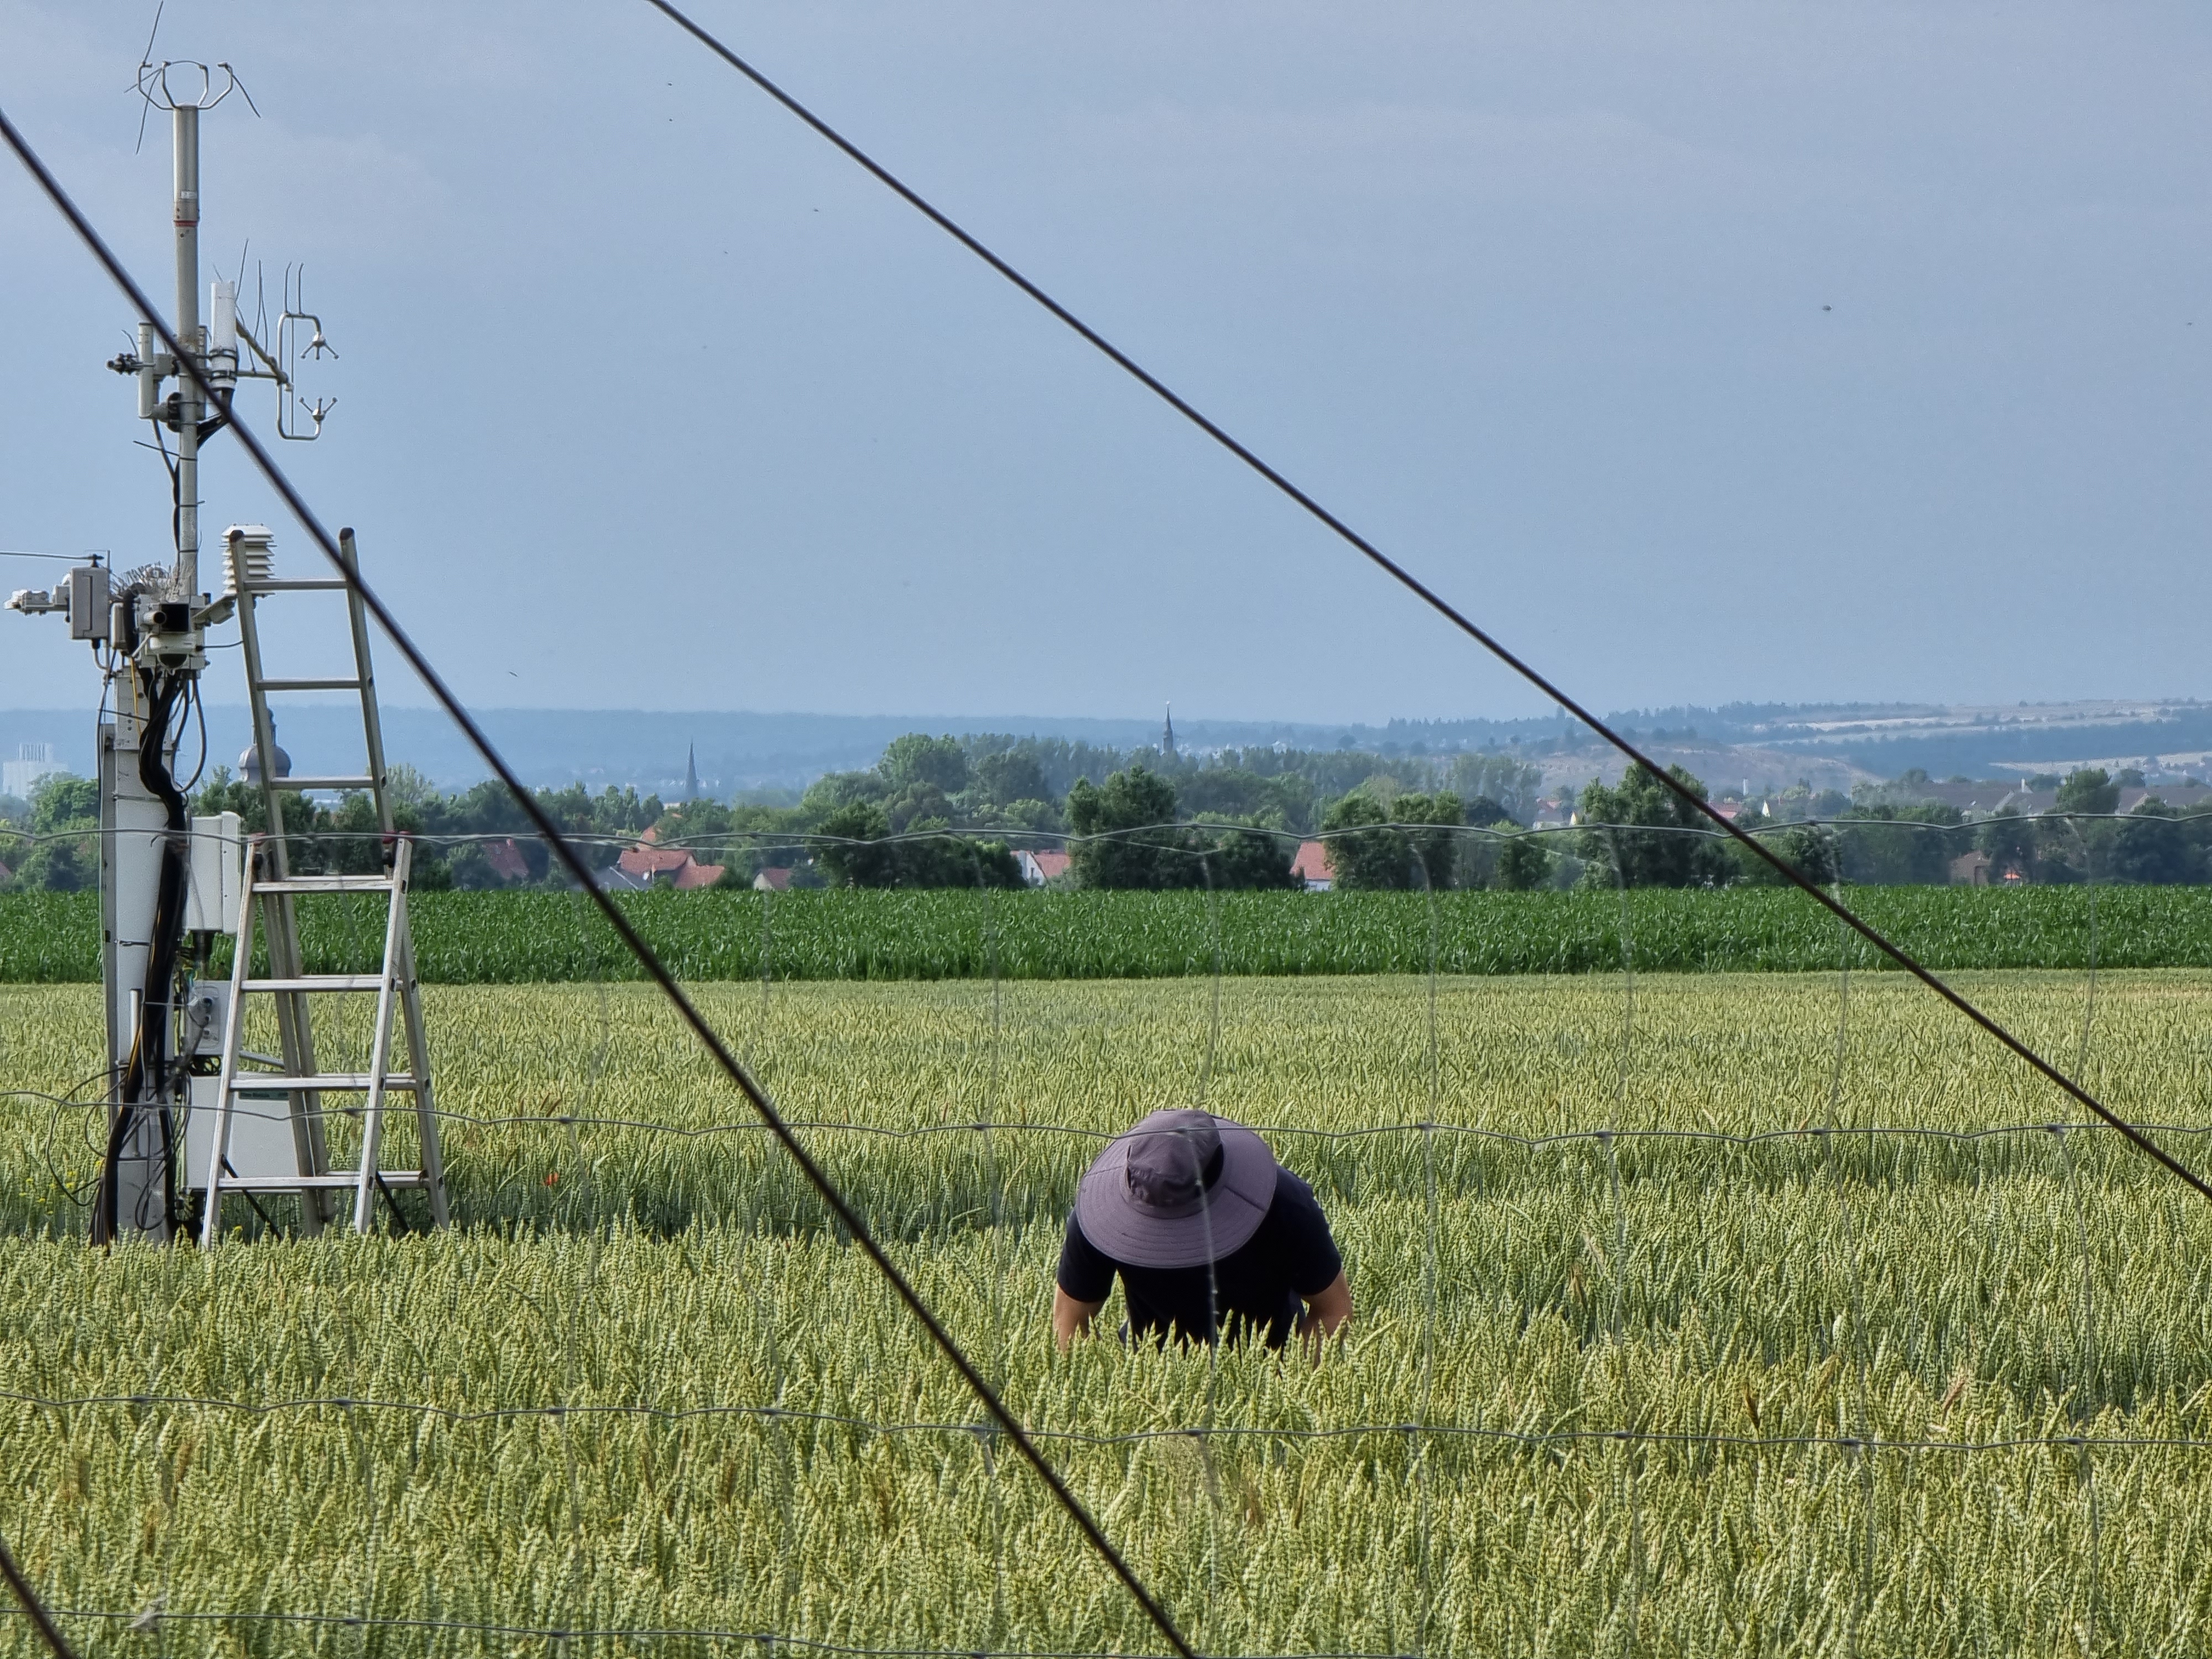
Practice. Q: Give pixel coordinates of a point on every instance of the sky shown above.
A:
(1703, 351)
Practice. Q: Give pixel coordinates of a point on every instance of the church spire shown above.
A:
(691, 774)
(1167, 734)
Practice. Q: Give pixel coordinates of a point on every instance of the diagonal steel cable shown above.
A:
(36, 1609)
(1685, 795)
(655, 969)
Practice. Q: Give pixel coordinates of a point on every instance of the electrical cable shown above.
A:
(1406, 579)
(146, 1079)
(832, 1195)
(198, 701)
(32, 1606)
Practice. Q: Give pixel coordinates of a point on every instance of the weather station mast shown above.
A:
(192, 1114)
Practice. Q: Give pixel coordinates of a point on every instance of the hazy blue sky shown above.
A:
(647, 399)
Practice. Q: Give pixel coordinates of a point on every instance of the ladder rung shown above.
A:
(326, 885)
(320, 983)
(302, 784)
(271, 1083)
(297, 585)
(232, 1183)
(308, 685)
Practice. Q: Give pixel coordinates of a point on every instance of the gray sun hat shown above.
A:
(1147, 1200)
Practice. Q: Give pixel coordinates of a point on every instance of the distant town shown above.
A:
(1517, 805)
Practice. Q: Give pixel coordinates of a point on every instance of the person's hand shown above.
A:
(1070, 1318)
(1328, 1311)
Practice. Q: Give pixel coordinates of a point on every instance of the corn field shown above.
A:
(1667, 1340)
(527, 938)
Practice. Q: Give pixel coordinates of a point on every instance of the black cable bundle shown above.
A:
(146, 1075)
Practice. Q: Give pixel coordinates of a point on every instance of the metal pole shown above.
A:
(191, 406)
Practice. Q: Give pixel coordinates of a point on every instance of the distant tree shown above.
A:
(1372, 846)
(1245, 858)
(1652, 838)
(1881, 846)
(2043, 781)
(928, 855)
(834, 789)
(1364, 857)
(1505, 779)
(63, 862)
(2088, 790)
(1431, 852)
(1523, 862)
(1000, 780)
(2008, 839)
(1237, 792)
(1125, 833)
(939, 762)
(65, 803)
(858, 856)
(2156, 843)
(1806, 848)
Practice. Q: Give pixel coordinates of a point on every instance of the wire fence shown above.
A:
(1420, 1432)
(985, 1429)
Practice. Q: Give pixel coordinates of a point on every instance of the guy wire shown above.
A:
(1427, 594)
(31, 1605)
(841, 1206)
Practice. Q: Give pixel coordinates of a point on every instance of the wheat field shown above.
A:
(1816, 1393)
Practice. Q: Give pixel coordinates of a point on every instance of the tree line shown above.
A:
(943, 811)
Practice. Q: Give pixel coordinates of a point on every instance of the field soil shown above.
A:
(1696, 1313)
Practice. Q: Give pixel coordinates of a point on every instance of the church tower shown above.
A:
(691, 774)
(1167, 735)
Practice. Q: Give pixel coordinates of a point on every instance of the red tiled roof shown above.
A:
(775, 880)
(1049, 866)
(692, 877)
(652, 860)
(1313, 862)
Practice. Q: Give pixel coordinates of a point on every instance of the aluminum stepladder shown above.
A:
(268, 896)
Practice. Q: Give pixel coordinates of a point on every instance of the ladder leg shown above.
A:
(380, 1056)
(234, 1028)
(294, 1026)
(372, 723)
(418, 1060)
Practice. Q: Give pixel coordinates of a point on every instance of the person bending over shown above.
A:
(1211, 1237)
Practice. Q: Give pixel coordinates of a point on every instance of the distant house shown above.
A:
(646, 863)
(1314, 866)
(777, 880)
(1038, 868)
(506, 860)
(1971, 869)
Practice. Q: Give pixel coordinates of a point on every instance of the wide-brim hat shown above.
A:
(1168, 1216)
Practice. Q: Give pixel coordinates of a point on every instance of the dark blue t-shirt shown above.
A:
(1256, 1287)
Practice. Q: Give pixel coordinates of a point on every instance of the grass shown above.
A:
(1803, 1288)
(469, 939)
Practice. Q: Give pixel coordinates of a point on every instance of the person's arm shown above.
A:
(1328, 1311)
(1070, 1318)
(1082, 1267)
